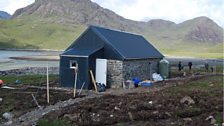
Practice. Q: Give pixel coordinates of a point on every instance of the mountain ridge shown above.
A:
(86, 12)
(47, 23)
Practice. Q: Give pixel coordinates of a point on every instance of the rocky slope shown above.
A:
(82, 12)
(85, 12)
(203, 29)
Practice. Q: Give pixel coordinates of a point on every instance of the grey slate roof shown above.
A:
(125, 45)
(130, 46)
(80, 52)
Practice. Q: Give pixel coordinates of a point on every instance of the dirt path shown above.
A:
(30, 118)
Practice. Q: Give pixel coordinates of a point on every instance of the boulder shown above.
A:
(188, 100)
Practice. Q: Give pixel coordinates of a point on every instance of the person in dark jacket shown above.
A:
(206, 67)
(190, 65)
(179, 66)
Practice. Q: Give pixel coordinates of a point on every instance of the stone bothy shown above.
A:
(128, 56)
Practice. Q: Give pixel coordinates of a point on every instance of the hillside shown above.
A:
(53, 24)
(4, 15)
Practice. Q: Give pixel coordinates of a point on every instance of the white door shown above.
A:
(101, 71)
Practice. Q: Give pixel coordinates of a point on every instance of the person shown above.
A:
(190, 65)
(1, 83)
(179, 66)
(206, 67)
(212, 69)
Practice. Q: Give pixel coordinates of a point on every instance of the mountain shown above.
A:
(4, 15)
(49, 23)
(203, 29)
(81, 12)
(85, 12)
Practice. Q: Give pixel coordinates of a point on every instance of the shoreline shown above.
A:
(30, 50)
(57, 57)
(37, 58)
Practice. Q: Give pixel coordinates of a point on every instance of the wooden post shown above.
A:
(76, 74)
(48, 97)
(93, 80)
(35, 100)
(81, 88)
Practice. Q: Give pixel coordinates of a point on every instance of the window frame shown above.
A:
(71, 62)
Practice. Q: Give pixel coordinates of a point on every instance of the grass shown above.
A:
(174, 70)
(37, 35)
(56, 122)
(198, 50)
(204, 84)
(28, 79)
(28, 33)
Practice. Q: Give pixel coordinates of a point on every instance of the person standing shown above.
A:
(1, 83)
(206, 66)
(190, 65)
(212, 69)
(179, 66)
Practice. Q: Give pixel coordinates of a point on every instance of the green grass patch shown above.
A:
(194, 70)
(207, 84)
(189, 112)
(56, 122)
(28, 79)
(37, 35)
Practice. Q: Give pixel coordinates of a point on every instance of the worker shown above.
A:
(1, 83)
(190, 65)
(179, 66)
(206, 66)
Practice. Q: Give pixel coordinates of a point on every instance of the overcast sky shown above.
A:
(144, 10)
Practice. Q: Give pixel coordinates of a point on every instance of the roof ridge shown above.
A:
(104, 38)
(116, 30)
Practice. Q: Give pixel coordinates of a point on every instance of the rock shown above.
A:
(155, 112)
(74, 116)
(116, 108)
(7, 116)
(211, 85)
(8, 123)
(130, 116)
(158, 106)
(211, 119)
(187, 119)
(188, 100)
(168, 114)
(173, 123)
(95, 117)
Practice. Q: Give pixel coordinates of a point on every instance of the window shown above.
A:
(73, 64)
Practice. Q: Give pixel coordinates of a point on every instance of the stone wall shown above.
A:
(142, 69)
(30, 71)
(114, 73)
(136, 68)
(154, 66)
(121, 71)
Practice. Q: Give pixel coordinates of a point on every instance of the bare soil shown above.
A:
(155, 108)
(158, 105)
(20, 101)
